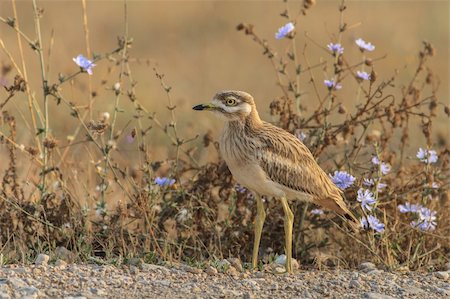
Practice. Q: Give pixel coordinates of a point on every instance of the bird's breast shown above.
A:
(240, 155)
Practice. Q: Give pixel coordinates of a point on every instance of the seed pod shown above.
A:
(32, 150)
(49, 143)
(368, 62)
(342, 109)
(249, 29)
(432, 107)
(447, 110)
(308, 3)
(373, 76)
(429, 78)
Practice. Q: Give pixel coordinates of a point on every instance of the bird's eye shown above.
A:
(231, 102)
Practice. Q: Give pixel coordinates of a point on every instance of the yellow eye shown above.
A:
(231, 102)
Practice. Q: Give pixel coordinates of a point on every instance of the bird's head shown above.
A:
(231, 105)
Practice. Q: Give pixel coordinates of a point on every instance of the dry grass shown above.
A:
(81, 173)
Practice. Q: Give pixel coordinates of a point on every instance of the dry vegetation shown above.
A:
(98, 205)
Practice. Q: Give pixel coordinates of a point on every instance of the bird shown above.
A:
(271, 162)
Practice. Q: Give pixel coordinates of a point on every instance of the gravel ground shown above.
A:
(61, 280)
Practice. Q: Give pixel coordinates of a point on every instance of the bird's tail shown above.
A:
(337, 204)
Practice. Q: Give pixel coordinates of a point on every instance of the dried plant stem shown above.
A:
(88, 52)
(102, 148)
(33, 101)
(297, 69)
(109, 147)
(360, 83)
(20, 32)
(45, 92)
(122, 67)
(19, 208)
(173, 124)
(140, 136)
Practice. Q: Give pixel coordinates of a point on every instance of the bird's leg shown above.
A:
(288, 224)
(259, 223)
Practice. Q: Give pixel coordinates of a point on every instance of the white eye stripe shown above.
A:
(239, 107)
(243, 108)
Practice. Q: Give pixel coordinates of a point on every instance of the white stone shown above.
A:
(42, 260)
(442, 275)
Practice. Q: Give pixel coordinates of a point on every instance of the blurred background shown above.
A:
(196, 45)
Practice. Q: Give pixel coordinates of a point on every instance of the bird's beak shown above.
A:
(204, 107)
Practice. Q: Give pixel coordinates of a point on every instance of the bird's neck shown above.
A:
(250, 121)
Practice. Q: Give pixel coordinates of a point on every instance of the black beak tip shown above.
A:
(198, 107)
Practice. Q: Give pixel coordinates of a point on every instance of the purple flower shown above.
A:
(427, 220)
(332, 85)
(364, 45)
(316, 212)
(284, 31)
(164, 182)
(240, 189)
(370, 183)
(435, 185)
(385, 168)
(365, 197)
(342, 179)
(381, 186)
(363, 75)
(301, 136)
(427, 156)
(371, 222)
(84, 63)
(409, 208)
(424, 225)
(335, 48)
(375, 160)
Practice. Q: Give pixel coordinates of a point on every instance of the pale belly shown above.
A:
(253, 178)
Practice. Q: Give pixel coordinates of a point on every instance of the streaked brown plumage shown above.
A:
(270, 161)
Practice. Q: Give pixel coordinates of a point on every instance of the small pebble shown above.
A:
(42, 260)
(235, 262)
(223, 264)
(210, 270)
(60, 264)
(367, 265)
(377, 296)
(232, 271)
(192, 270)
(444, 275)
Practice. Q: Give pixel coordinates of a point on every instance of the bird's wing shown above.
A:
(287, 161)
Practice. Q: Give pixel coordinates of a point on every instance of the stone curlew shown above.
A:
(272, 162)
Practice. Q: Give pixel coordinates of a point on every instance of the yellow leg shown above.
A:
(259, 223)
(288, 224)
